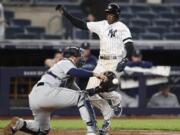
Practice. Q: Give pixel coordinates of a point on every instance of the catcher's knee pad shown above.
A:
(81, 99)
(88, 104)
(83, 102)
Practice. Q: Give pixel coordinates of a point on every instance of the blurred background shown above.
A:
(33, 34)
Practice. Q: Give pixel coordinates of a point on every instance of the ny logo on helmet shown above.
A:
(112, 33)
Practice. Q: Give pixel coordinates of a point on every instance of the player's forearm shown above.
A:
(89, 67)
(129, 49)
(80, 73)
(75, 21)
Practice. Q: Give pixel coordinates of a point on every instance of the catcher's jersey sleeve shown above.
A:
(95, 26)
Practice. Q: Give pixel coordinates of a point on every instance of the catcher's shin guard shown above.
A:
(87, 113)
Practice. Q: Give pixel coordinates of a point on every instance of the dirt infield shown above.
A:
(114, 132)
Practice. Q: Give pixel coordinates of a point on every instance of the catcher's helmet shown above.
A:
(113, 8)
(72, 51)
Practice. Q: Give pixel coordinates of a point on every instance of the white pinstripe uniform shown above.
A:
(112, 40)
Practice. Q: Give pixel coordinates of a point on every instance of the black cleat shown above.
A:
(8, 130)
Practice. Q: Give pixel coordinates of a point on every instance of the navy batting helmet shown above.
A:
(72, 51)
(113, 8)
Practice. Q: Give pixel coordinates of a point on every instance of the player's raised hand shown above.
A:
(60, 8)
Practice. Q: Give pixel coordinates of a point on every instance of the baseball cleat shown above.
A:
(10, 128)
(103, 132)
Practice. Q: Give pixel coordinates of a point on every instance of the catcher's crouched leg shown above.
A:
(87, 114)
(19, 124)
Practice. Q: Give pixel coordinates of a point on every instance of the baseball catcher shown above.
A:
(55, 90)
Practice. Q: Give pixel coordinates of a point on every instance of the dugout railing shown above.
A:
(55, 44)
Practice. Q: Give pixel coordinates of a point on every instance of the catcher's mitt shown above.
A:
(105, 86)
(108, 85)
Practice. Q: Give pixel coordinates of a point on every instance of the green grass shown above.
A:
(128, 124)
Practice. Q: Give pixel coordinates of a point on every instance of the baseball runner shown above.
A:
(116, 47)
(57, 89)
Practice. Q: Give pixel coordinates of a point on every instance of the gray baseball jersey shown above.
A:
(60, 69)
(49, 94)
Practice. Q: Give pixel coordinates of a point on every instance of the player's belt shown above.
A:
(53, 75)
(109, 57)
(40, 84)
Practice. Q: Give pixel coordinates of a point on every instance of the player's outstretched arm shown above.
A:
(82, 73)
(129, 49)
(75, 21)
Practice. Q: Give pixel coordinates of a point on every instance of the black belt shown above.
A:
(109, 57)
(40, 84)
(53, 75)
